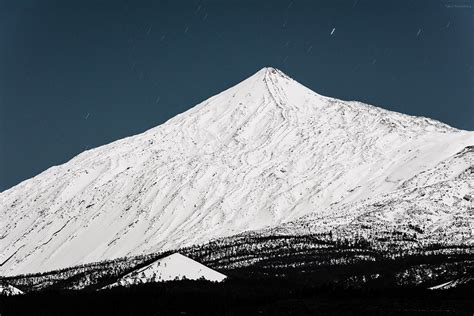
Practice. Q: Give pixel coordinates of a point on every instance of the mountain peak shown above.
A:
(264, 70)
(269, 72)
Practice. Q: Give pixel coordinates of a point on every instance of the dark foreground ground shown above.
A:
(242, 297)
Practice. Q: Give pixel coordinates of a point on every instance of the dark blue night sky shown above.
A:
(79, 74)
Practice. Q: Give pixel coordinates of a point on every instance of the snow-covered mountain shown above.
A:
(267, 152)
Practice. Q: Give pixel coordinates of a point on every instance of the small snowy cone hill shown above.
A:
(9, 290)
(171, 268)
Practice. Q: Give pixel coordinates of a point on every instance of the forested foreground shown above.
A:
(317, 259)
(272, 296)
(276, 275)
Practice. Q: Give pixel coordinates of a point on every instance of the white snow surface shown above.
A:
(170, 268)
(266, 152)
(453, 283)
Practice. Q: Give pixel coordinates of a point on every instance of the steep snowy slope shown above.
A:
(436, 206)
(437, 213)
(262, 153)
(172, 267)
